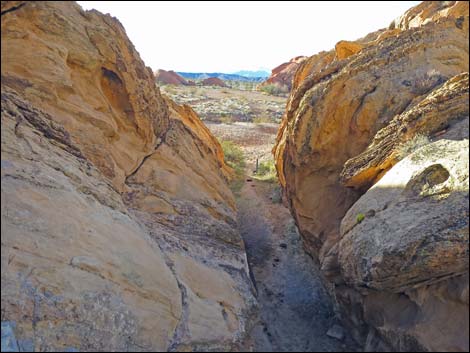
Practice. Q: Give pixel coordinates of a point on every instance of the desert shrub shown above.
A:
(226, 119)
(169, 89)
(275, 89)
(408, 147)
(266, 171)
(262, 119)
(234, 158)
(266, 167)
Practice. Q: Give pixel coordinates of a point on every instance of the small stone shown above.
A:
(336, 331)
(283, 245)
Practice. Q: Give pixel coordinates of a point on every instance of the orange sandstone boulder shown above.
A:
(115, 205)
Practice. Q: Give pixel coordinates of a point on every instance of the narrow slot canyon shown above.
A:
(219, 196)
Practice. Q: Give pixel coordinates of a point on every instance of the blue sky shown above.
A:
(232, 36)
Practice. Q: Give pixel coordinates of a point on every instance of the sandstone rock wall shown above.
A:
(353, 113)
(429, 11)
(118, 228)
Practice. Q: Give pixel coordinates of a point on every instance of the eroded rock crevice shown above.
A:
(12, 8)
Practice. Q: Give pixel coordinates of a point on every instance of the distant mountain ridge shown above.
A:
(222, 76)
(248, 73)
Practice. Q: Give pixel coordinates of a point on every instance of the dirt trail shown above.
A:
(295, 310)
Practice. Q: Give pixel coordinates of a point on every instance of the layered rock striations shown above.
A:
(118, 229)
(353, 114)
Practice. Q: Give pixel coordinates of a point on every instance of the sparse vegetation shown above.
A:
(266, 171)
(168, 89)
(275, 89)
(262, 119)
(226, 119)
(360, 217)
(210, 103)
(235, 159)
(408, 147)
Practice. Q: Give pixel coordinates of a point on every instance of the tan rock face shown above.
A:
(335, 112)
(417, 210)
(450, 121)
(413, 238)
(75, 264)
(89, 78)
(429, 11)
(115, 206)
(348, 120)
(169, 78)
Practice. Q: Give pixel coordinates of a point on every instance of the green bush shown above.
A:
(360, 217)
(234, 158)
(266, 171)
(266, 168)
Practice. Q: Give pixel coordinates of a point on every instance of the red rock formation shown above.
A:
(169, 78)
(214, 81)
(283, 74)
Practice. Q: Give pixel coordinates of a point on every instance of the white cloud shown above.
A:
(230, 36)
